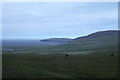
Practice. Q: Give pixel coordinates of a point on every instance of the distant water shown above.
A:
(28, 43)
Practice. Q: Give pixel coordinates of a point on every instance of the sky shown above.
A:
(41, 20)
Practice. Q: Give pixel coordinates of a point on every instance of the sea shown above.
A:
(28, 43)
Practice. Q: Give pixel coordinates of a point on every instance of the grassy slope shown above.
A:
(95, 44)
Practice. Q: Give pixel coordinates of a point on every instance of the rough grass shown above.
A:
(34, 65)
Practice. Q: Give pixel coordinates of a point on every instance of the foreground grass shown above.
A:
(33, 65)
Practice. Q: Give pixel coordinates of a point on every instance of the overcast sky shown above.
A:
(39, 20)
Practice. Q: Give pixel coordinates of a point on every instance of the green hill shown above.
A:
(99, 41)
(101, 34)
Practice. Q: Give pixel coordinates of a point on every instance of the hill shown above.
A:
(101, 34)
(99, 41)
(56, 40)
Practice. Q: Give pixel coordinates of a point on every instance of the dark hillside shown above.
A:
(99, 41)
(101, 34)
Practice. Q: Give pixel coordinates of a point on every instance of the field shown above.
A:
(35, 65)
